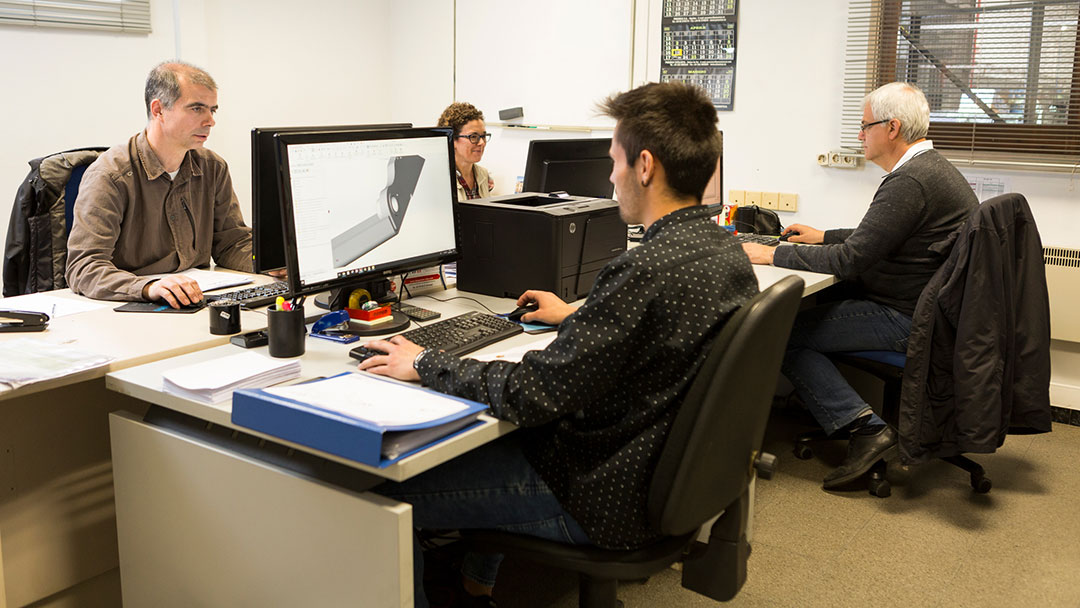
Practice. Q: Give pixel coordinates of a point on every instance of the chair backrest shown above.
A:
(35, 254)
(707, 459)
(71, 192)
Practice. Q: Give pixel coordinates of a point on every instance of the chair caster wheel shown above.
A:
(881, 489)
(803, 451)
(878, 484)
(980, 484)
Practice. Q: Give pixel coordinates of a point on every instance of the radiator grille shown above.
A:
(1061, 256)
(1063, 283)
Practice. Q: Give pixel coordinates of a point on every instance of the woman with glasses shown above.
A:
(470, 140)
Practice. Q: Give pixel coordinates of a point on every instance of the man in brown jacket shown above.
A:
(159, 204)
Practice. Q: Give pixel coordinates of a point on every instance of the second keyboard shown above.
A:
(457, 335)
(253, 297)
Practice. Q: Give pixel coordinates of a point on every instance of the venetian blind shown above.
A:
(1002, 76)
(112, 15)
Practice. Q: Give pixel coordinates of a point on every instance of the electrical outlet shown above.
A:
(823, 160)
(770, 200)
(736, 197)
(753, 197)
(788, 202)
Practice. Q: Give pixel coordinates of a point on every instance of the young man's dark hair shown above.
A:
(677, 123)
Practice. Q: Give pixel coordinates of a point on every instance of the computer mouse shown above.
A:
(784, 237)
(517, 313)
(193, 305)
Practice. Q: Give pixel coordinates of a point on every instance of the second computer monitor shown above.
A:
(360, 205)
(580, 167)
(268, 244)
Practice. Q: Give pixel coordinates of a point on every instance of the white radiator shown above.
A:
(1063, 282)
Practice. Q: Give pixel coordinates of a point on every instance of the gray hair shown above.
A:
(904, 102)
(163, 82)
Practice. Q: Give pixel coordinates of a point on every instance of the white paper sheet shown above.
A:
(26, 360)
(358, 395)
(53, 306)
(515, 354)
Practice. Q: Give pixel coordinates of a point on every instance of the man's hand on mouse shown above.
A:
(800, 233)
(398, 360)
(176, 289)
(552, 309)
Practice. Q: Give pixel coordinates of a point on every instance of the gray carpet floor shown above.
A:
(933, 543)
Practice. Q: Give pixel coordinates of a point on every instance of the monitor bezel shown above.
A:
(266, 159)
(545, 150)
(398, 267)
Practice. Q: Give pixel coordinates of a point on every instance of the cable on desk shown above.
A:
(460, 298)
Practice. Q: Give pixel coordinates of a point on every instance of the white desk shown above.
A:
(814, 281)
(213, 513)
(57, 523)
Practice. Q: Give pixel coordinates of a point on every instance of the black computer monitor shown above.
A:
(580, 167)
(360, 206)
(268, 244)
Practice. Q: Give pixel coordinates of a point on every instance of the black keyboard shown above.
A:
(253, 297)
(761, 239)
(457, 335)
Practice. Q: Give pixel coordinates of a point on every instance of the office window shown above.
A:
(1002, 76)
(111, 15)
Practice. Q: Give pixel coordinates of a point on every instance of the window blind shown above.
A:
(1002, 76)
(112, 15)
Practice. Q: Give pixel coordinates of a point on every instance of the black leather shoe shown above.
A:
(863, 452)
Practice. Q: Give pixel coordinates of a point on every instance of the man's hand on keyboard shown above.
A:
(800, 233)
(398, 360)
(759, 254)
(552, 309)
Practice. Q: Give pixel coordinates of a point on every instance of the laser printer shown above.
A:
(536, 241)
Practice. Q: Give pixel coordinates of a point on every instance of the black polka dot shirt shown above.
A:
(596, 405)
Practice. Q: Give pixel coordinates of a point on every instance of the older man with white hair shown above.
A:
(887, 259)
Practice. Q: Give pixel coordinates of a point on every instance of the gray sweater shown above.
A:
(888, 254)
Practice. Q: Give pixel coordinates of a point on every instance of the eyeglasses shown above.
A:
(863, 127)
(474, 138)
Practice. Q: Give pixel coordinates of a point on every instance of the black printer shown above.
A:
(536, 241)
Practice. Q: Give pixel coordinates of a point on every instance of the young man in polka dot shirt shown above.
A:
(596, 405)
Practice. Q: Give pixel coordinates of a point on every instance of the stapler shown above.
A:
(21, 320)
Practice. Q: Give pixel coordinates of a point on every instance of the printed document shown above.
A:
(383, 402)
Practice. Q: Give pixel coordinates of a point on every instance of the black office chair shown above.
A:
(705, 468)
(998, 294)
(887, 366)
(35, 254)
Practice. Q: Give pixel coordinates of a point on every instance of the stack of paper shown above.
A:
(214, 381)
(26, 360)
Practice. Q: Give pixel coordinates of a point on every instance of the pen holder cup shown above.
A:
(287, 331)
(224, 317)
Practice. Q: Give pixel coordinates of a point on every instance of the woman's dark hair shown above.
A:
(458, 114)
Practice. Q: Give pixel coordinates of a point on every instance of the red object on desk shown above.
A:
(369, 315)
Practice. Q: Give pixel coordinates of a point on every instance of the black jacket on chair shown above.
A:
(978, 360)
(35, 254)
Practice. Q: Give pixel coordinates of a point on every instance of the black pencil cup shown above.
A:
(224, 317)
(287, 331)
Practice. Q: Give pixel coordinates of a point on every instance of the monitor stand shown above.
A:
(338, 299)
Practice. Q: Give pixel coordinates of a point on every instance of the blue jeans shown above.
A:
(841, 326)
(491, 487)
